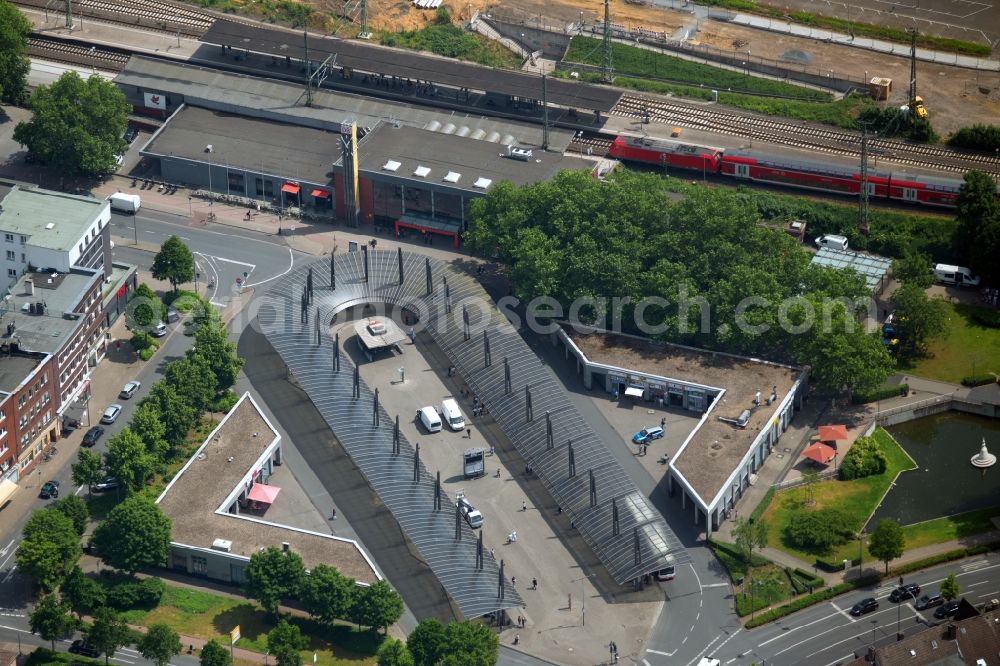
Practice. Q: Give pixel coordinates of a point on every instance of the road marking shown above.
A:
(78, 490)
(843, 612)
(971, 566)
(982, 582)
(4, 550)
(234, 261)
(291, 264)
(10, 574)
(706, 648)
(218, 304)
(696, 577)
(790, 630)
(685, 640)
(644, 661)
(697, 617)
(984, 595)
(715, 585)
(841, 660)
(665, 654)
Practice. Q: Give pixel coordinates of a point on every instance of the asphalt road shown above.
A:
(826, 634)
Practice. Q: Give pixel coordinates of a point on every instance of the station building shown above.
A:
(745, 404)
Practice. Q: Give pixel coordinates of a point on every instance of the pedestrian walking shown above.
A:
(468, 433)
(663, 422)
(534, 583)
(514, 536)
(497, 475)
(492, 449)
(513, 581)
(524, 505)
(492, 554)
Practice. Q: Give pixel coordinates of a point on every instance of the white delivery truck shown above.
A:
(124, 203)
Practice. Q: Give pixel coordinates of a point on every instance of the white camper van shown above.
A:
(957, 275)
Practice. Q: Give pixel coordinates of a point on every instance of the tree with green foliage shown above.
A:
(128, 460)
(916, 318)
(285, 642)
(174, 263)
(978, 235)
(376, 606)
(864, 458)
(914, 268)
(108, 633)
(76, 125)
(213, 654)
(809, 477)
(887, 541)
(193, 380)
(147, 424)
(88, 469)
(949, 587)
(470, 644)
(135, 535)
(178, 415)
(427, 643)
(160, 644)
(977, 137)
(75, 509)
(327, 594)
(144, 310)
(393, 653)
(750, 534)
(14, 63)
(817, 531)
(211, 342)
(51, 619)
(84, 594)
(49, 550)
(272, 576)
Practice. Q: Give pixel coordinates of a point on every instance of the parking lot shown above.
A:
(547, 550)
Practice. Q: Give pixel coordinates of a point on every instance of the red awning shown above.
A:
(290, 188)
(262, 493)
(820, 453)
(832, 433)
(320, 194)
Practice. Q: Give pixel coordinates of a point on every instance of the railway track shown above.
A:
(592, 144)
(59, 50)
(802, 135)
(157, 15)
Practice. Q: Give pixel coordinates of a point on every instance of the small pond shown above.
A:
(945, 483)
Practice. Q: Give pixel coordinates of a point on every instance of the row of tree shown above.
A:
(434, 644)
(725, 281)
(274, 575)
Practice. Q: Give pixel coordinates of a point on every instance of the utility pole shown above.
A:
(863, 192)
(607, 74)
(309, 90)
(913, 65)
(545, 114)
(365, 33)
(69, 14)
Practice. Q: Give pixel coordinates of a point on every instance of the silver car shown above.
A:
(129, 390)
(111, 414)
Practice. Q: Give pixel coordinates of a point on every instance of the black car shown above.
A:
(130, 134)
(929, 601)
(865, 606)
(92, 436)
(946, 610)
(50, 490)
(903, 592)
(83, 648)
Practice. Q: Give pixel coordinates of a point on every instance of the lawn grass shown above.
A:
(770, 586)
(205, 615)
(950, 357)
(950, 528)
(637, 62)
(857, 498)
(451, 41)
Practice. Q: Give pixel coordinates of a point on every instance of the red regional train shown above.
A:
(788, 171)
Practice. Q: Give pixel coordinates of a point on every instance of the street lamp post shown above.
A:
(135, 229)
(583, 598)
(899, 613)
(861, 542)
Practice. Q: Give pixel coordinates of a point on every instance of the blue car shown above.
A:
(647, 435)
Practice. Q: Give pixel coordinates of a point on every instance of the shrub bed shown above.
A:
(808, 600)
(881, 393)
(810, 577)
(864, 458)
(978, 380)
(988, 318)
(125, 593)
(762, 506)
(732, 559)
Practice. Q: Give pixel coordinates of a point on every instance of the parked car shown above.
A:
(50, 490)
(471, 513)
(946, 610)
(129, 390)
(160, 330)
(903, 592)
(92, 436)
(109, 483)
(172, 315)
(83, 648)
(665, 574)
(647, 435)
(833, 241)
(110, 414)
(130, 134)
(929, 601)
(865, 606)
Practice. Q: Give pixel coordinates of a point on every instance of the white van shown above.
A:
(429, 417)
(956, 275)
(452, 415)
(832, 240)
(125, 203)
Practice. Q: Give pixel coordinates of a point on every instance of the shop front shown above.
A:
(665, 393)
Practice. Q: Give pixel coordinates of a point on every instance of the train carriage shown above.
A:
(806, 174)
(926, 190)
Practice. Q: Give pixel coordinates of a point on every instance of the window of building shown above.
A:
(9, 238)
(24, 240)
(24, 259)
(235, 181)
(264, 187)
(11, 272)
(11, 255)
(199, 565)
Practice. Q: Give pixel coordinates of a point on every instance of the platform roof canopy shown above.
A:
(373, 59)
(872, 268)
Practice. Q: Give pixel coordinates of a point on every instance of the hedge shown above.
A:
(987, 318)
(978, 380)
(810, 577)
(762, 506)
(941, 558)
(881, 393)
(733, 560)
(809, 600)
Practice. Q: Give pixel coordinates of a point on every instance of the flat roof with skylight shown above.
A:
(52, 220)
